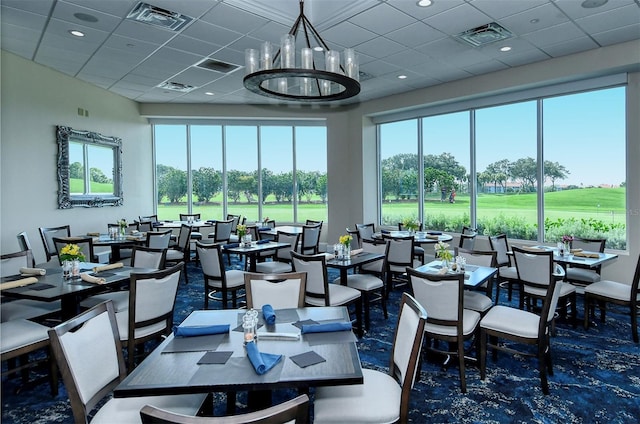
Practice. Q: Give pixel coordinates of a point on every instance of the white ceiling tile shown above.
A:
(127, 44)
(499, 9)
(21, 18)
(144, 32)
(611, 20)
(415, 34)
(65, 12)
(113, 7)
(232, 18)
(486, 67)
(566, 31)
(379, 47)
(382, 19)
(19, 40)
(618, 35)
(570, 47)
(211, 33)
(411, 8)
(193, 45)
(535, 19)
(458, 19)
(574, 9)
(519, 59)
(41, 7)
(347, 34)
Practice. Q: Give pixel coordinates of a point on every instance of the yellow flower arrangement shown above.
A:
(442, 251)
(241, 229)
(411, 224)
(71, 252)
(345, 239)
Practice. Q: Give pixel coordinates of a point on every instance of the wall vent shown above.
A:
(156, 16)
(176, 86)
(485, 34)
(217, 66)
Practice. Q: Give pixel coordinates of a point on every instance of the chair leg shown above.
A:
(587, 310)
(383, 300)
(542, 366)
(463, 381)
(364, 295)
(483, 354)
(574, 309)
(634, 323)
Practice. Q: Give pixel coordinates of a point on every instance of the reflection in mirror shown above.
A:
(89, 169)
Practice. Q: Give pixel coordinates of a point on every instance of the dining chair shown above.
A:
(281, 291)
(152, 298)
(84, 243)
(141, 257)
(377, 267)
(145, 226)
(89, 355)
(216, 277)
(619, 293)
(467, 241)
(48, 233)
(222, 231)
(520, 326)
(533, 279)
(148, 218)
(582, 275)
(399, 255)
(132, 228)
(310, 239)
(292, 411)
(181, 251)
(473, 298)
(23, 242)
(442, 296)
(269, 223)
(383, 397)
(418, 251)
(195, 235)
(17, 309)
(235, 221)
(366, 232)
(281, 262)
(507, 274)
(158, 239)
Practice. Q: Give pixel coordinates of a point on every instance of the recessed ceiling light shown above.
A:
(76, 33)
(209, 93)
(402, 77)
(425, 3)
(590, 4)
(505, 49)
(318, 48)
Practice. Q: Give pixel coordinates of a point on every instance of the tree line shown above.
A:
(207, 183)
(76, 170)
(444, 173)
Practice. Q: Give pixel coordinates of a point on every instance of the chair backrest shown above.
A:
(405, 353)
(535, 269)
(317, 280)
(284, 255)
(590, 245)
(84, 243)
(271, 223)
(131, 227)
(282, 291)
(10, 263)
(148, 218)
(356, 243)
(158, 239)
(310, 240)
(292, 411)
(235, 220)
(477, 257)
(48, 233)
(500, 245)
(88, 351)
(211, 260)
(145, 226)
(468, 230)
(441, 296)
(467, 241)
(223, 230)
(635, 287)
(23, 242)
(313, 222)
(184, 238)
(186, 216)
(252, 230)
(366, 231)
(152, 298)
(399, 253)
(401, 226)
(148, 257)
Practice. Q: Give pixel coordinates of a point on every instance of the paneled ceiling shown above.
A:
(391, 37)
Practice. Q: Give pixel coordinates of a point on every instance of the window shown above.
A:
(257, 171)
(575, 142)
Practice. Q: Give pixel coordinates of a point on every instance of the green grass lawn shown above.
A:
(76, 185)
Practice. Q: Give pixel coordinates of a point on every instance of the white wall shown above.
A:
(34, 100)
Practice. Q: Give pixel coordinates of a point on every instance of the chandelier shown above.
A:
(277, 76)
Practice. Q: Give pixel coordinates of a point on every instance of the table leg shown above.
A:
(343, 276)
(115, 253)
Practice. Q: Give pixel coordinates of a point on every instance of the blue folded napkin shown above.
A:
(156, 224)
(200, 330)
(384, 232)
(268, 314)
(262, 362)
(211, 221)
(231, 245)
(434, 233)
(263, 241)
(264, 228)
(326, 328)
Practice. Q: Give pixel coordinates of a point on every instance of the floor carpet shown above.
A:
(596, 377)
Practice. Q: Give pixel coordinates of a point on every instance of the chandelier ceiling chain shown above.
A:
(277, 76)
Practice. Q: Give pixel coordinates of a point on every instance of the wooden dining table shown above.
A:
(474, 275)
(219, 363)
(419, 237)
(252, 251)
(118, 243)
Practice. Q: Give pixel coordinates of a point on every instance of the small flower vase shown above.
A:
(346, 252)
(75, 269)
(246, 240)
(122, 231)
(567, 248)
(445, 263)
(66, 269)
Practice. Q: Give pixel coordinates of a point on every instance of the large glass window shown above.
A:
(576, 142)
(247, 170)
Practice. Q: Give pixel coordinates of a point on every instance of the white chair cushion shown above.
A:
(565, 289)
(341, 295)
(611, 289)
(377, 400)
(235, 278)
(375, 266)
(273, 267)
(512, 321)
(362, 282)
(127, 410)
(470, 320)
(122, 318)
(233, 238)
(583, 275)
(508, 272)
(27, 309)
(19, 333)
(174, 255)
(477, 301)
(120, 300)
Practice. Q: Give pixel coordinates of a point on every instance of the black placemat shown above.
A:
(299, 324)
(306, 359)
(194, 344)
(215, 357)
(35, 286)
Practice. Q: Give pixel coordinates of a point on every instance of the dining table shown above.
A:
(578, 257)
(220, 362)
(176, 224)
(291, 229)
(474, 275)
(252, 250)
(118, 243)
(419, 237)
(52, 286)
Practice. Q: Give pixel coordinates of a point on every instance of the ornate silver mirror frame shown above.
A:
(66, 199)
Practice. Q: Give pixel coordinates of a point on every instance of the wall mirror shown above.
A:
(89, 169)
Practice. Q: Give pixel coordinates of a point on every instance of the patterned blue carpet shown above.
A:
(596, 377)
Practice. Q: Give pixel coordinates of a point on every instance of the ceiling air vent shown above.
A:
(156, 16)
(485, 34)
(176, 86)
(363, 76)
(217, 66)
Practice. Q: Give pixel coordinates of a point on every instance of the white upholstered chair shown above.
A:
(475, 299)
(507, 274)
(281, 291)
(216, 277)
